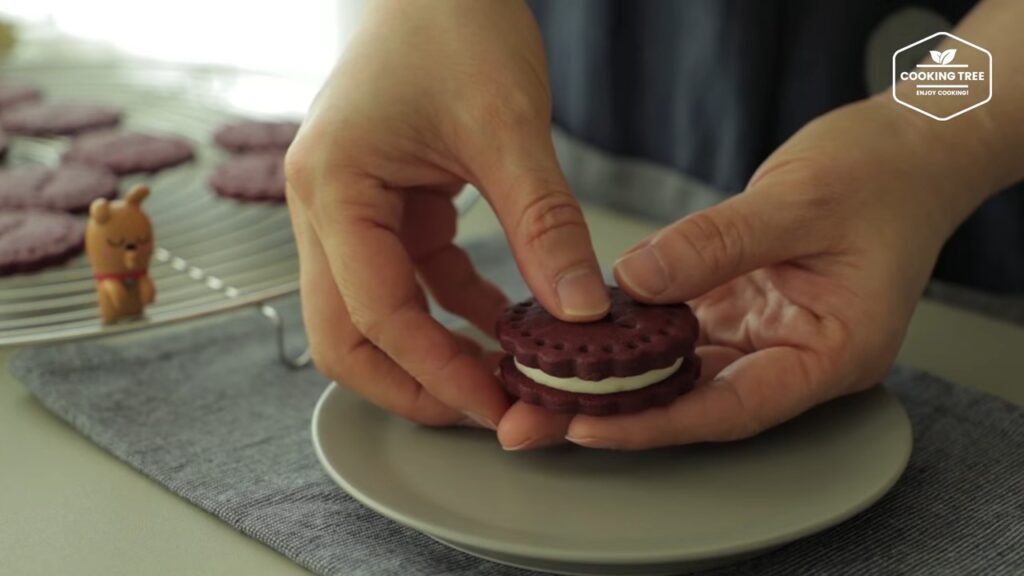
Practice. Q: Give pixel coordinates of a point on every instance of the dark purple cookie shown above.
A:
(34, 239)
(633, 338)
(129, 152)
(254, 136)
(254, 177)
(56, 119)
(12, 95)
(657, 394)
(3, 146)
(71, 187)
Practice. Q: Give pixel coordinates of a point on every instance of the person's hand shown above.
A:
(803, 284)
(429, 96)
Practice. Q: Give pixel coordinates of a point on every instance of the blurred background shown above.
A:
(298, 39)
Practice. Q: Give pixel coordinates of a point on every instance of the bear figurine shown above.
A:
(119, 244)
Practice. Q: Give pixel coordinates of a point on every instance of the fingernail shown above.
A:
(485, 422)
(582, 293)
(532, 443)
(644, 272)
(591, 442)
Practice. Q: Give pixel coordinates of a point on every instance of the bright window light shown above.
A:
(299, 38)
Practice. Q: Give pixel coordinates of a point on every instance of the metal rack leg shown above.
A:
(296, 362)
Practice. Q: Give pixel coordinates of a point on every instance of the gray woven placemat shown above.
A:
(207, 411)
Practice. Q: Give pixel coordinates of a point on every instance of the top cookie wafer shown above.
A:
(632, 338)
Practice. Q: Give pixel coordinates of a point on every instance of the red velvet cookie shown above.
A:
(253, 136)
(129, 152)
(71, 187)
(253, 177)
(34, 239)
(12, 95)
(637, 356)
(58, 119)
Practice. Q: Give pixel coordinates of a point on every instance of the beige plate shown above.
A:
(580, 511)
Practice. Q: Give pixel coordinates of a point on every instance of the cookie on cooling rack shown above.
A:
(124, 152)
(636, 357)
(58, 119)
(34, 239)
(252, 177)
(253, 136)
(70, 188)
(12, 94)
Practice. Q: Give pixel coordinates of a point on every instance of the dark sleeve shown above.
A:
(710, 88)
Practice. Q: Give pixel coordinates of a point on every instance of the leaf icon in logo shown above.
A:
(948, 55)
(936, 56)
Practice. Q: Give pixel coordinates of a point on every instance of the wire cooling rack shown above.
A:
(212, 254)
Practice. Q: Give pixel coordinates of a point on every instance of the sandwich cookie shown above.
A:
(636, 357)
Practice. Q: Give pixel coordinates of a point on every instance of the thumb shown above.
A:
(545, 228)
(708, 248)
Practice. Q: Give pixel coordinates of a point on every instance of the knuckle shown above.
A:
(316, 158)
(324, 361)
(367, 323)
(376, 325)
(299, 170)
(550, 211)
(718, 242)
(296, 166)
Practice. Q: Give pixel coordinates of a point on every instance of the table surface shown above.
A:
(67, 505)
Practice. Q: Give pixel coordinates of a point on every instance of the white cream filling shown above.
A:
(609, 385)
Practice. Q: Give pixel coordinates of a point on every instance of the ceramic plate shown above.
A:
(580, 511)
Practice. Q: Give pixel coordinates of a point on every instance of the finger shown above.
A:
(710, 247)
(342, 353)
(713, 359)
(754, 393)
(469, 346)
(358, 220)
(491, 359)
(428, 227)
(520, 177)
(525, 427)
(429, 219)
(454, 282)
